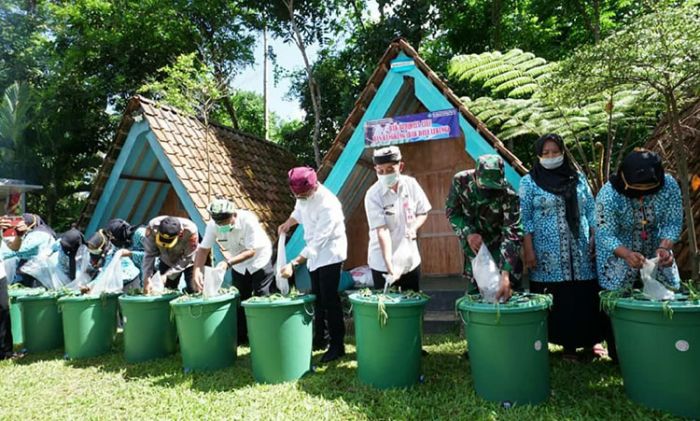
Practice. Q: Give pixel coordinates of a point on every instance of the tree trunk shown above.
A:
(591, 22)
(496, 10)
(314, 89)
(226, 97)
(682, 166)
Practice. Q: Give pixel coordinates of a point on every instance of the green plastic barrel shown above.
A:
(41, 322)
(659, 352)
(207, 331)
(89, 324)
(16, 311)
(508, 352)
(280, 335)
(388, 350)
(149, 331)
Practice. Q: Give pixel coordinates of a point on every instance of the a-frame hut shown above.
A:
(160, 163)
(404, 85)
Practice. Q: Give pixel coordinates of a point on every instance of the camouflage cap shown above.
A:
(490, 172)
(221, 206)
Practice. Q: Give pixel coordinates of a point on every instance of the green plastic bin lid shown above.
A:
(190, 300)
(637, 301)
(83, 298)
(149, 298)
(19, 292)
(41, 295)
(519, 303)
(396, 299)
(277, 300)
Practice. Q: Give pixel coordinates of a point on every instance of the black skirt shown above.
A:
(575, 319)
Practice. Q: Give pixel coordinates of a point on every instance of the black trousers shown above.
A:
(5, 323)
(259, 283)
(329, 311)
(408, 281)
(575, 319)
(172, 283)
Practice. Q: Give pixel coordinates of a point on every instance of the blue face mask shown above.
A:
(388, 179)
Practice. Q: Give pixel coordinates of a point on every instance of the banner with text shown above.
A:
(442, 124)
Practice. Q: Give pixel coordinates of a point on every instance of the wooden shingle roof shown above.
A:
(660, 142)
(368, 94)
(250, 171)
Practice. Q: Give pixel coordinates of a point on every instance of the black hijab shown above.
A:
(561, 181)
(71, 241)
(640, 174)
(120, 232)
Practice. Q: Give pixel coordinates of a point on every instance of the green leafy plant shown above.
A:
(293, 293)
(393, 295)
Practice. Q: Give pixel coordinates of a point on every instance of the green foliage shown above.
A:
(188, 85)
(14, 119)
(659, 51)
(522, 102)
(514, 74)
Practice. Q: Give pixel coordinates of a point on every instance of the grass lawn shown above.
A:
(44, 386)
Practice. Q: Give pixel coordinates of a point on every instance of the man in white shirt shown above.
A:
(321, 214)
(396, 208)
(247, 251)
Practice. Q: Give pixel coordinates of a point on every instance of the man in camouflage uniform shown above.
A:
(482, 208)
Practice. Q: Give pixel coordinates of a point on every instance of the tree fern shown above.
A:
(14, 120)
(523, 103)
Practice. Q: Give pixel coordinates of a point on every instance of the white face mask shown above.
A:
(307, 201)
(388, 179)
(552, 163)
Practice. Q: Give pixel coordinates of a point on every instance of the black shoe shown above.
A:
(332, 354)
(424, 353)
(465, 355)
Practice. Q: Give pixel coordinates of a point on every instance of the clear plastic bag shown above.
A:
(111, 279)
(82, 275)
(281, 282)
(157, 285)
(653, 289)
(44, 269)
(362, 276)
(213, 279)
(11, 269)
(486, 274)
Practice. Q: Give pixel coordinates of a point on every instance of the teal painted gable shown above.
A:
(432, 98)
(139, 200)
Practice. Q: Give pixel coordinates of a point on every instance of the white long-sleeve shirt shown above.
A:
(324, 228)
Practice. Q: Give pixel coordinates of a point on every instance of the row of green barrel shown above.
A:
(508, 347)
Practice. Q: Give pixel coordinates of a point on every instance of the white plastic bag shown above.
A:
(653, 289)
(486, 274)
(281, 282)
(362, 276)
(213, 279)
(82, 268)
(402, 260)
(10, 267)
(157, 285)
(111, 279)
(44, 269)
